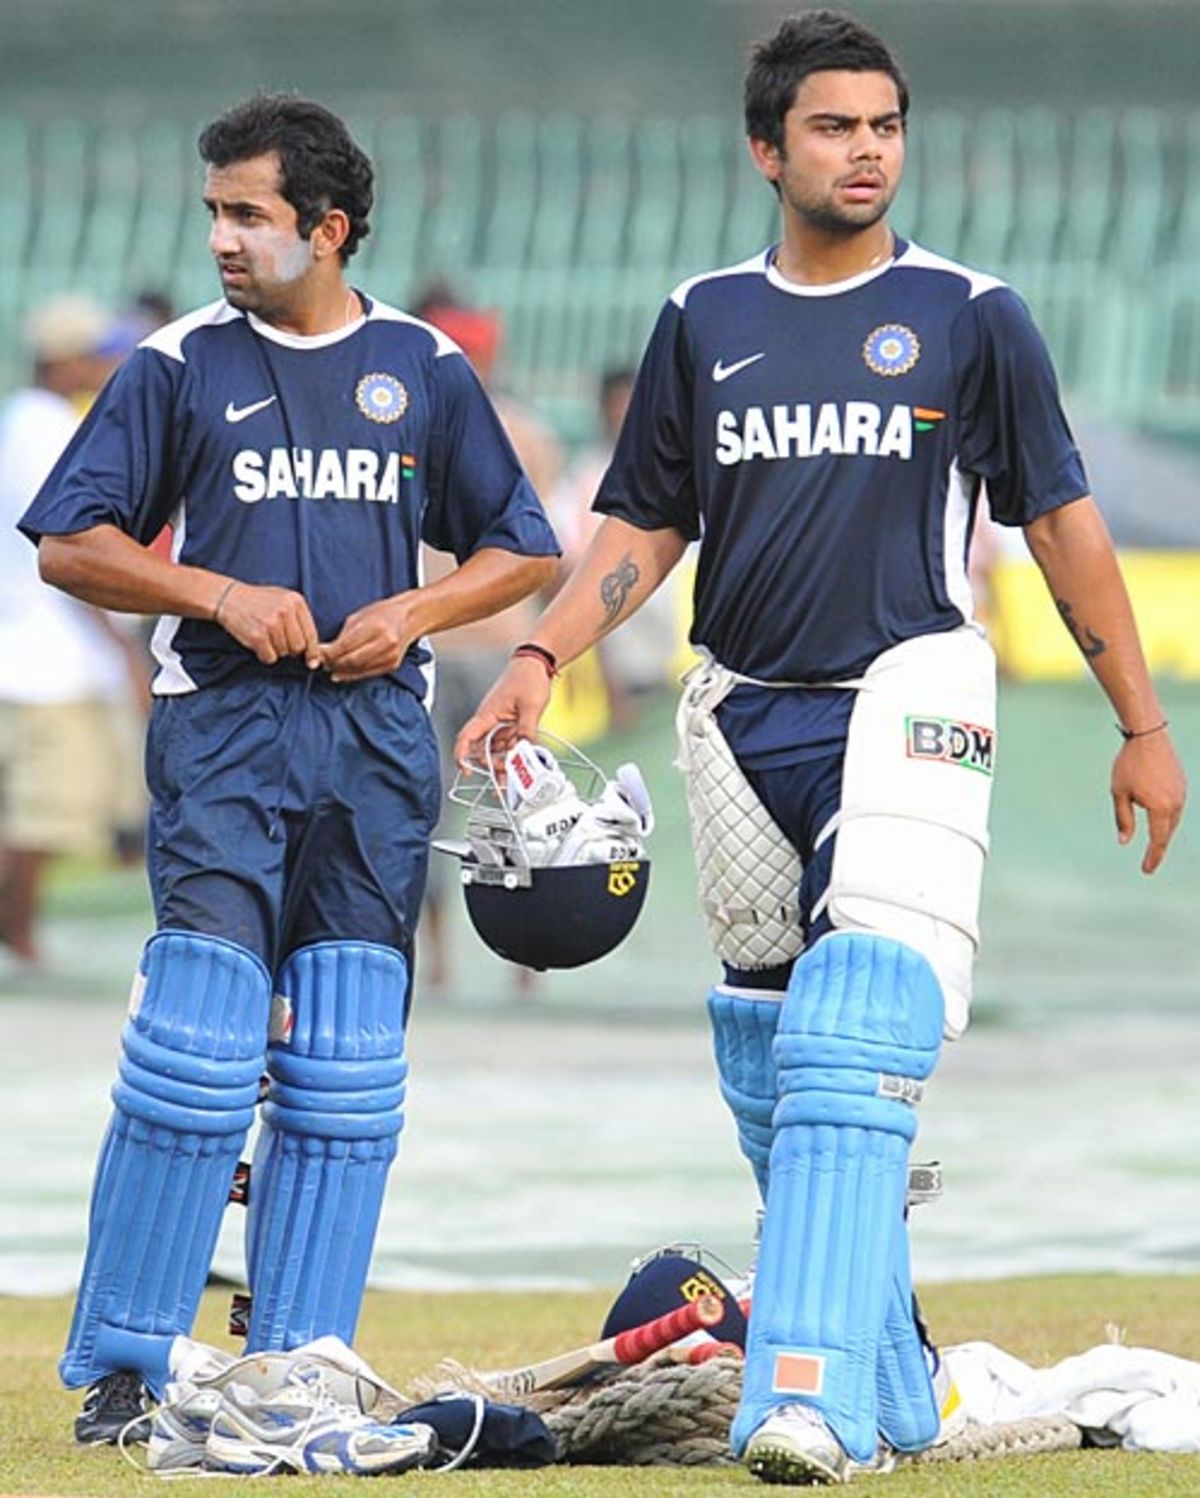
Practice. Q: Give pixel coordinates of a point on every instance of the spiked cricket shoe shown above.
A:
(795, 1445)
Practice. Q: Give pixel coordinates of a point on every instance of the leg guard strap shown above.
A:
(860, 1029)
(192, 1054)
(330, 1130)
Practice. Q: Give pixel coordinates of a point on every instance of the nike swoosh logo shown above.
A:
(239, 413)
(723, 371)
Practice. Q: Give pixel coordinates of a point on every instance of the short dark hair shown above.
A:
(819, 41)
(320, 165)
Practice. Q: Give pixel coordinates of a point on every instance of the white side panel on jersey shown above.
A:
(959, 490)
(171, 679)
(912, 831)
(748, 872)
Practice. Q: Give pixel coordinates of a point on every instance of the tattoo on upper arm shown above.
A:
(616, 587)
(1088, 641)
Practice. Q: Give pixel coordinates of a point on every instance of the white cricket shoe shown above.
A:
(180, 1427)
(795, 1445)
(301, 1427)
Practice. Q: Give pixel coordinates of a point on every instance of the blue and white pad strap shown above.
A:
(330, 1129)
(860, 1030)
(192, 1054)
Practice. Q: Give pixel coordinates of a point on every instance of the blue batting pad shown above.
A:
(193, 1052)
(743, 1032)
(908, 1409)
(860, 1028)
(329, 1135)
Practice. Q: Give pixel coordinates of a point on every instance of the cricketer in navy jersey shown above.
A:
(318, 464)
(823, 420)
(301, 440)
(828, 446)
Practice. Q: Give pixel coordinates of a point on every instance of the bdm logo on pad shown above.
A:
(798, 1373)
(951, 742)
(622, 878)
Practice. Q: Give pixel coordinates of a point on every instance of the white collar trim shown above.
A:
(831, 288)
(304, 340)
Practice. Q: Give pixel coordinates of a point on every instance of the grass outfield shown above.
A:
(1040, 1320)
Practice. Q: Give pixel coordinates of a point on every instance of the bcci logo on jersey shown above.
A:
(857, 428)
(891, 350)
(951, 742)
(381, 397)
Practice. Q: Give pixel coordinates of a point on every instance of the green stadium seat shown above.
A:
(1140, 227)
(1092, 202)
(400, 178)
(63, 197)
(993, 200)
(169, 180)
(659, 192)
(1042, 195)
(941, 209)
(16, 206)
(705, 143)
(109, 224)
(455, 188)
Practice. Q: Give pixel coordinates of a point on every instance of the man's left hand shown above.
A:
(372, 642)
(1147, 773)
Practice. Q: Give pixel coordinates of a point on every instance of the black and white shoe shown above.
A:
(112, 1403)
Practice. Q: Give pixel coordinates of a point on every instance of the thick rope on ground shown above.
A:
(657, 1413)
(662, 1413)
(1028, 1437)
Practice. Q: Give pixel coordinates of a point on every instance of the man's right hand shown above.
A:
(513, 707)
(272, 622)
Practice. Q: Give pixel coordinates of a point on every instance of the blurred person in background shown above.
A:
(824, 419)
(470, 658)
(636, 661)
(68, 672)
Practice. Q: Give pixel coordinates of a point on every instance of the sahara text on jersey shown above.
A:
(302, 473)
(805, 431)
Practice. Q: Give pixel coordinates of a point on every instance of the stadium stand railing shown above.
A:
(576, 229)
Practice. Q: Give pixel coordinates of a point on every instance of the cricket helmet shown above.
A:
(554, 866)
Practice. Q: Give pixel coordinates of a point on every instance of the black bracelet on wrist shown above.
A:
(538, 653)
(225, 592)
(1140, 733)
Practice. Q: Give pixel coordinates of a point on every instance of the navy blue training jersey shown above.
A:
(314, 463)
(828, 445)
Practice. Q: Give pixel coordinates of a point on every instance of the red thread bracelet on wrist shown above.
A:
(538, 653)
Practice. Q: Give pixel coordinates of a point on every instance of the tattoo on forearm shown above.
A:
(616, 587)
(1088, 641)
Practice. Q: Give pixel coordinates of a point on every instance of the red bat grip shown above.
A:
(640, 1341)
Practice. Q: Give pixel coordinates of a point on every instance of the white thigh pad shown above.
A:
(748, 873)
(912, 830)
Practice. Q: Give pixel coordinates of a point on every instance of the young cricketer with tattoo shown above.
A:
(825, 419)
